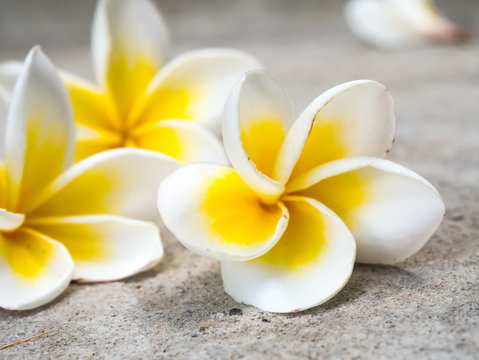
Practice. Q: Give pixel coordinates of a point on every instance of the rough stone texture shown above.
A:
(425, 307)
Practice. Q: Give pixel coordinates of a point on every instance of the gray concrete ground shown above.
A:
(424, 308)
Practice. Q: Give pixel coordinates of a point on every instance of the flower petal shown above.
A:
(258, 115)
(391, 210)
(311, 262)
(118, 182)
(214, 213)
(33, 269)
(91, 108)
(352, 119)
(2, 185)
(390, 23)
(97, 123)
(3, 123)
(91, 141)
(184, 141)
(194, 86)
(129, 42)
(9, 73)
(39, 131)
(10, 221)
(104, 247)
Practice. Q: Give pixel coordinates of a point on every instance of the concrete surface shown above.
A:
(424, 308)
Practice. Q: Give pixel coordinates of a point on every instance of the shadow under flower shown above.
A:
(202, 295)
(364, 280)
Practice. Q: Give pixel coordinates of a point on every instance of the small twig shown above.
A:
(25, 340)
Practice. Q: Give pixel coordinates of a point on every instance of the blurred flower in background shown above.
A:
(392, 24)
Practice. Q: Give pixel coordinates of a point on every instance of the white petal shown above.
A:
(91, 109)
(9, 73)
(118, 182)
(391, 210)
(194, 86)
(105, 247)
(397, 23)
(133, 30)
(33, 269)
(39, 133)
(10, 221)
(214, 213)
(184, 141)
(3, 122)
(2, 186)
(352, 119)
(257, 117)
(310, 264)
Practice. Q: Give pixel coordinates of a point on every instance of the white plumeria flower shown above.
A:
(138, 101)
(57, 222)
(286, 220)
(397, 23)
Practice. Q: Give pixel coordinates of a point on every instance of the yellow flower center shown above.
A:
(127, 139)
(236, 214)
(303, 242)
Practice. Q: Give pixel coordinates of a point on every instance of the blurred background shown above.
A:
(306, 42)
(428, 303)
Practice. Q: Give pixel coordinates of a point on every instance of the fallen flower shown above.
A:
(138, 102)
(396, 23)
(57, 222)
(286, 220)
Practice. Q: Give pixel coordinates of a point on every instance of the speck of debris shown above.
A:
(206, 324)
(458, 218)
(235, 311)
(194, 335)
(265, 320)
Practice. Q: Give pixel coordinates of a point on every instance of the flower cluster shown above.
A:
(303, 200)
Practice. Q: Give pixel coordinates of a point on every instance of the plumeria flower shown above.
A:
(57, 222)
(304, 198)
(397, 23)
(138, 101)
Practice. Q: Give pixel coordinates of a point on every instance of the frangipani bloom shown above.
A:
(59, 223)
(397, 23)
(302, 195)
(138, 101)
